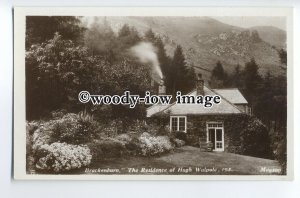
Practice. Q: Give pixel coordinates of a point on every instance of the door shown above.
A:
(215, 135)
(211, 138)
(219, 140)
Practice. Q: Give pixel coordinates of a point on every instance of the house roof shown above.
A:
(232, 95)
(225, 107)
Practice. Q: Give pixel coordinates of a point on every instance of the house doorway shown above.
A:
(215, 135)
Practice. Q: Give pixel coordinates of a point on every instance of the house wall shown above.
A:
(196, 130)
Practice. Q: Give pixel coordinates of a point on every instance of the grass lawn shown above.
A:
(186, 160)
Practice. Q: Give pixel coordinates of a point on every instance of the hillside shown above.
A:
(272, 35)
(206, 40)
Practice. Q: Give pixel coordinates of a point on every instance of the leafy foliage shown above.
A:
(64, 70)
(279, 146)
(99, 38)
(255, 139)
(181, 77)
(70, 129)
(39, 29)
(218, 76)
(283, 56)
(107, 148)
(179, 143)
(59, 67)
(180, 135)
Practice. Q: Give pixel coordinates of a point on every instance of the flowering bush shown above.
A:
(150, 145)
(74, 129)
(60, 157)
(71, 129)
(43, 134)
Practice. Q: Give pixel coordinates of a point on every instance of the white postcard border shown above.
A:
(20, 14)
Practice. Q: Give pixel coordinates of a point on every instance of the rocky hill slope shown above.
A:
(206, 40)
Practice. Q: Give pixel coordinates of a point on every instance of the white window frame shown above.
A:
(177, 117)
(217, 127)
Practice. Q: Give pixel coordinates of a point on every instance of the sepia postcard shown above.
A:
(153, 93)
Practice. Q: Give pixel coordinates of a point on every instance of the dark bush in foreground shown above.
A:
(255, 139)
(107, 148)
(180, 135)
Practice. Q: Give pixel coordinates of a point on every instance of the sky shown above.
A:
(251, 21)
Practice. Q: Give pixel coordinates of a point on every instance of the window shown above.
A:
(178, 123)
(219, 134)
(174, 123)
(219, 145)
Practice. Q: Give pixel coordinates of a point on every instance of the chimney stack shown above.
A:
(199, 85)
(162, 87)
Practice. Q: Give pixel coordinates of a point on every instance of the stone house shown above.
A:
(215, 128)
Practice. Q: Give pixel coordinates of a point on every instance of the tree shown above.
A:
(100, 38)
(218, 76)
(56, 71)
(252, 82)
(42, 28)
(127, 37)
(180, 75)
(163, 59)
(283, 56)
(190, 78)
(150, 36)
(237, 76)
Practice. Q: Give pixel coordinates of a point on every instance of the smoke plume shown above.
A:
(146, 53)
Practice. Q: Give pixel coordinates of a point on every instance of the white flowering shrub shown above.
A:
(71, 129)
(42, 135)
(59, 157)
(151, 145)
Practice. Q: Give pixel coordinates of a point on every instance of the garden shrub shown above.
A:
(124, 138)
(181, 135)
(255, 140)
(133, 147)
(112, 128)
(279, 147)
(150, 145)
(30, 128)
(43, 134)
(60, 157)
(179, 143)
(96, 150)
(58, 113)
(74, 129)
(107, 148)
(71, 129)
